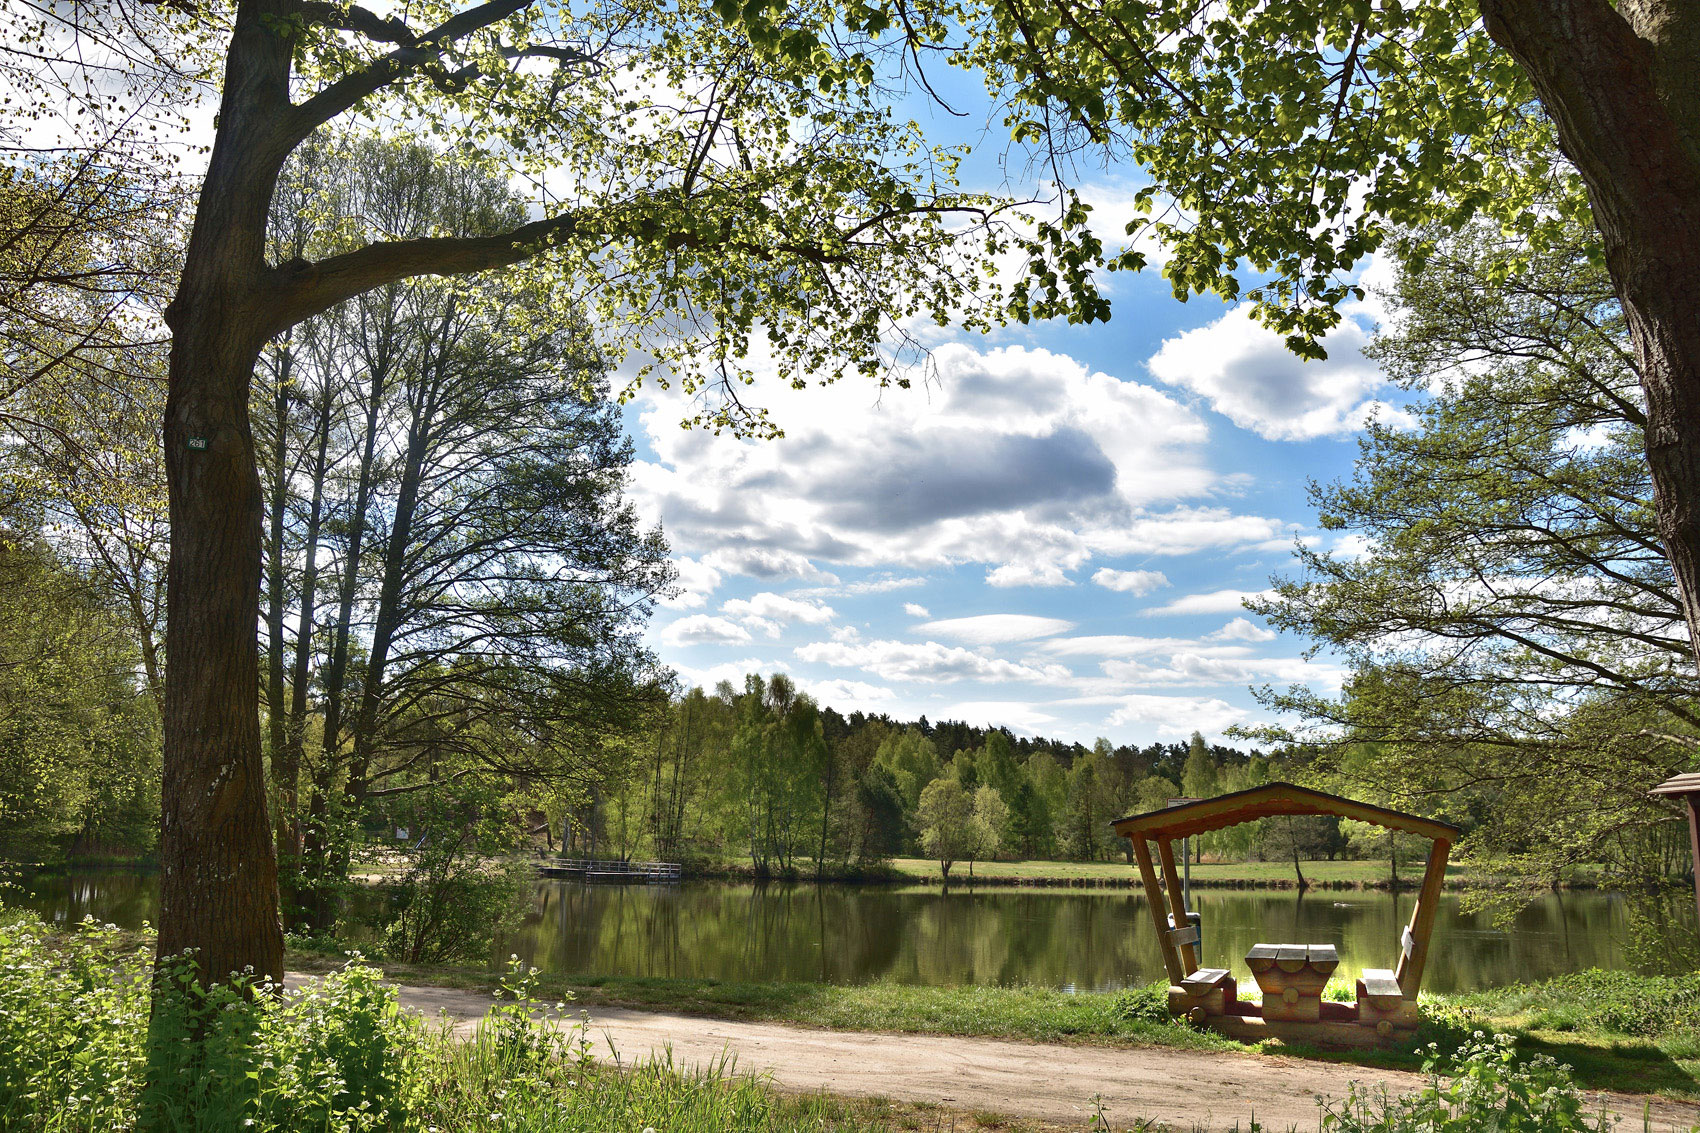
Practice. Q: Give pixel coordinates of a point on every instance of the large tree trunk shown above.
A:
(1623, 87)
(218, 868)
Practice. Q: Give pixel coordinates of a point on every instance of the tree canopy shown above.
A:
(1501, 591)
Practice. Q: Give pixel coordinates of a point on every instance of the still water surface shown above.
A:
(1098, 939)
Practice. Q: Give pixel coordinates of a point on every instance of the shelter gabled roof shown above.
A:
(1688, 784)
(1272, 799)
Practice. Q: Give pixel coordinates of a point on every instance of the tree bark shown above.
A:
(1622, 86)
(218, 867)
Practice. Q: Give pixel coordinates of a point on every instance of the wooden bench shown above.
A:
(1380, 983)
(1204, 993)
(1204, 980)
(1382, 1003)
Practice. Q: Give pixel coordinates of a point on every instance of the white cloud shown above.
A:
(847, 696)
(1201, 670)
(766, 562)
(1213, 602)
(1135, 582)
(879, 584)
(1247, 374)
(702, 629)
(770, 608)
(1016, 715)
(1242, 629)
(1185, 530)
(994, 629)
(1028, 574)
(697, 581)
(1175, 716)
(925, 661)
(916, 610)
(1016, 458)
(1112, 645)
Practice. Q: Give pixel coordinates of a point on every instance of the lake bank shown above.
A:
(1625, 1033)
(1319, 875)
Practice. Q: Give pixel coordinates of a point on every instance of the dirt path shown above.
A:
(1050, 1082)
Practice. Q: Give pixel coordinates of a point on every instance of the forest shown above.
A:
(763, 774)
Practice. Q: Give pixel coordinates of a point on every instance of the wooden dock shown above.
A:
(611, 872)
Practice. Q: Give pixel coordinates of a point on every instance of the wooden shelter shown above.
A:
(1687, 789)
(1291, 976)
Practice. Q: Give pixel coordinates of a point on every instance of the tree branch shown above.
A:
(304, 290)
(380, 73)
(361, 21)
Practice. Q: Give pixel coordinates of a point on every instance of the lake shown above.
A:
(1066, 938)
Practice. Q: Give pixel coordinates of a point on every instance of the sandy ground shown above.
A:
(1054, 1083)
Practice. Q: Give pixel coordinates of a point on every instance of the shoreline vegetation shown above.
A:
(1342, 875)
(1354, 874)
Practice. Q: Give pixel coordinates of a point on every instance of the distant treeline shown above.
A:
(764, 773)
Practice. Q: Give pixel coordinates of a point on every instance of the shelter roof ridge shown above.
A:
(1269, 799)
(1679, 784)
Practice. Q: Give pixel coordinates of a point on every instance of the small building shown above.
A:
(1291, 976)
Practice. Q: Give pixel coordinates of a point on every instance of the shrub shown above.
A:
(1447, 1025)
(1617, 1002)
(1483, 1088)
(336, 1056)
(456, 900)
(73, 1022)
(1148, 1004)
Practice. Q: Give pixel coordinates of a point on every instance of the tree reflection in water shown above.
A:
(1089, 939)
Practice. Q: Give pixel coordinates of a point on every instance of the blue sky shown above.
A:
(1052, 534)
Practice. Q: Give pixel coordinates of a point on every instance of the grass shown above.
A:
(1134, 1017)
(1641, 1034)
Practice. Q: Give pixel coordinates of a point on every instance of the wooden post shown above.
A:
(1409, 973)
(1177, 901)
(1693, 801)
(1154, 898)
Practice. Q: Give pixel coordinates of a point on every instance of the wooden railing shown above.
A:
(596, 870)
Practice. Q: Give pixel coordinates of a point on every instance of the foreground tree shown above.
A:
(700, 192)
(1504, 598)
